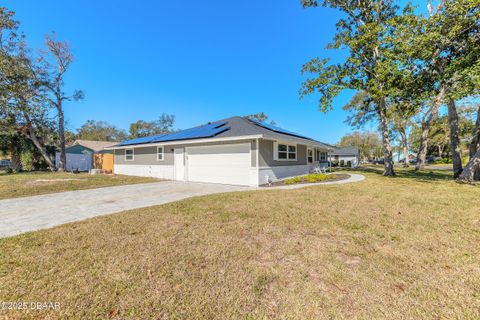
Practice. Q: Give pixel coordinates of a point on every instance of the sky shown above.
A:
(199, 60)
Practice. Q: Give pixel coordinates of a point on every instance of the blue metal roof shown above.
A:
(278, 129)
(205, 131)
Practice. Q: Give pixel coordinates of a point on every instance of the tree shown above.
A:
(10, 140)
(475, 143)
(368, 144)
(401, 125)
(371, 66)
(261, 117)
(471, 172)
(458, 29)
(22, 101)
(100, 131)
(53, 73)
(445, 47)
(430, 114)
(143, 128)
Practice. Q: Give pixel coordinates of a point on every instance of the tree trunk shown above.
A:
(387, 148)
(16, 163)
(471, 172)
(38, 145)
(61, 134)
(30, 134)
(422, 151)
(455, 149)
(475, 144)
(406, 156)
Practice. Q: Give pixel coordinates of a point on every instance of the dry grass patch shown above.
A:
(35, 183)
(382, 248)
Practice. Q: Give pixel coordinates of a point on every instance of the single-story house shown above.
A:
(235, 151)
(344, 156)
(83, 155)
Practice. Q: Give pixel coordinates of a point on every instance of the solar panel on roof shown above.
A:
(278, 129)
(205, 131)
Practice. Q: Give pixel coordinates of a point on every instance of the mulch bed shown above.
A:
(339, 176)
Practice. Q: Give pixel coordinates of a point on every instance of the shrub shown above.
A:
(311, 178)
(293, 180)
(349, 163)
(8, 170)
(443, 161)
(315, 177)
(26, 158)
(342, 163)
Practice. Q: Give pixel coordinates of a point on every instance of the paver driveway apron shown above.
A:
(39, 212)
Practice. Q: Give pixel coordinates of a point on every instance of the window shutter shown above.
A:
(275, 150)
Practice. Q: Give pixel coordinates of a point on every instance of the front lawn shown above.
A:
(35, 183)
(384, 248)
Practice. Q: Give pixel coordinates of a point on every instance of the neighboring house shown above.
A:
(83, 155)
(230, 151)
(337, 155)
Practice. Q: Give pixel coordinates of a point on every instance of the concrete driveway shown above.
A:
(20, 215)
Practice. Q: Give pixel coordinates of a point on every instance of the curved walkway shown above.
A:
(353, 178)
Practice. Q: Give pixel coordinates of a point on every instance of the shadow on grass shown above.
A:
(410, 173)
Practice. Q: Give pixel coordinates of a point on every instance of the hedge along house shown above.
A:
(234, 151)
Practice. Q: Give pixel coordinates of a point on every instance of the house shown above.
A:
(235, 151)
(83, 155)
(344, 156)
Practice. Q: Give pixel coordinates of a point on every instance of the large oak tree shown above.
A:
(366, 31)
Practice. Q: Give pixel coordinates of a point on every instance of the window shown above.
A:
(128, 154)
(160, 153)
(309, 155)
(323, 156)
(286, 152)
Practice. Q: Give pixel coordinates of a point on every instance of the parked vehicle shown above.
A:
(5, 163)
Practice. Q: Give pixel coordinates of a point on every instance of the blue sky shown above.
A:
(199, 60)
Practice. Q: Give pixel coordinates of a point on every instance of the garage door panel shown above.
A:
(228, 164)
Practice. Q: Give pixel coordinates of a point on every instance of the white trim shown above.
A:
(313, 155)
(162, 153)
(133, 154)
(182, 142)
(257, 142)
(320, 156)
(276, 152)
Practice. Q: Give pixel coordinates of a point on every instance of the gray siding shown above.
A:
(266, 155)
(147, 155)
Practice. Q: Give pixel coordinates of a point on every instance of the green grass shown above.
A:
(385, 248)
(35, 183)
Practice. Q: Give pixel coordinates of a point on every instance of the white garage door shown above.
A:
(228, 164)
